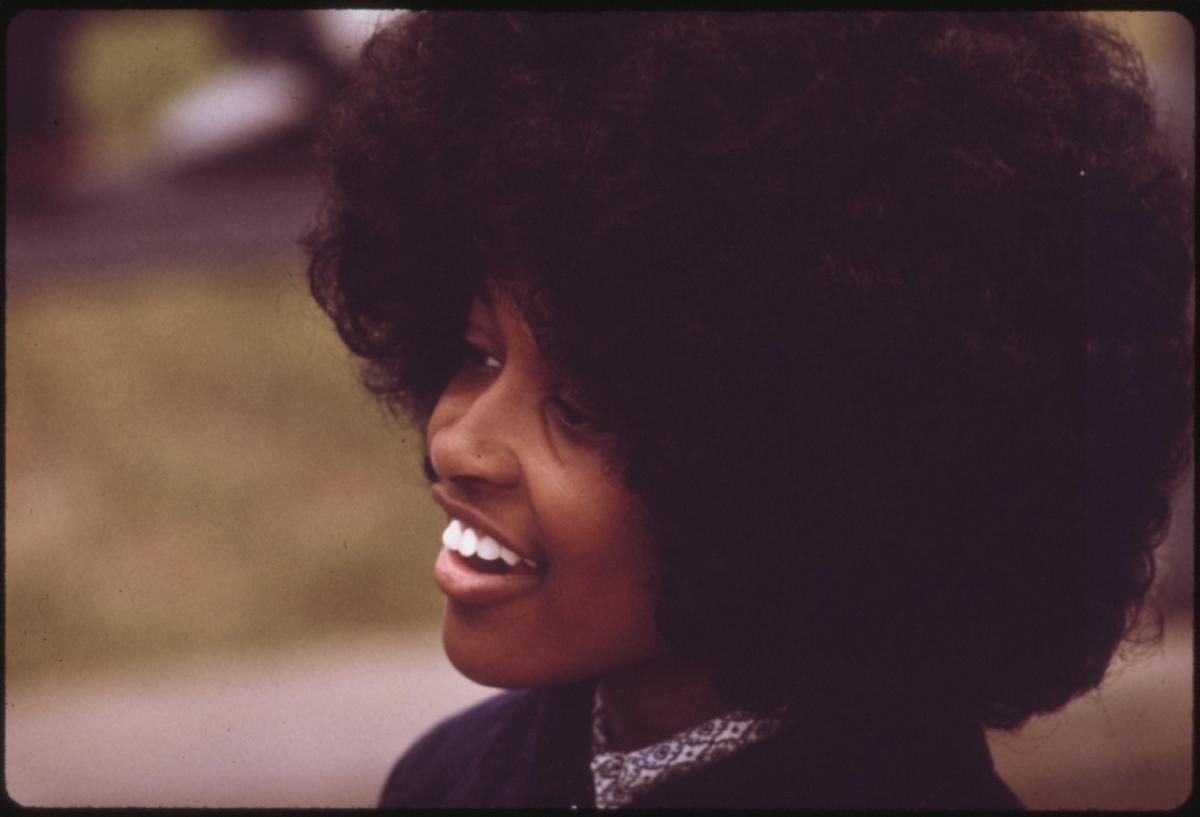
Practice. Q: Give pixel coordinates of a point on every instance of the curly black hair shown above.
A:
(887, 310)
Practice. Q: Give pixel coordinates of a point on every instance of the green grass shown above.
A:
(191, 465)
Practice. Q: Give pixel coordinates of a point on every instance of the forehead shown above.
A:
(513, 285)
(499, 305)
(514, 295)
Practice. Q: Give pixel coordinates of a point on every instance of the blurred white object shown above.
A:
(252, 103)
(343, 32)
(240, 108)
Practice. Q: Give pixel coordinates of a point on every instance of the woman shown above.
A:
(804, 391)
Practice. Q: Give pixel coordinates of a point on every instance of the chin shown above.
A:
(489, 675)
(490, 659)
(490, 655)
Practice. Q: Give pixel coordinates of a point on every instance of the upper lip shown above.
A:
(457, 509)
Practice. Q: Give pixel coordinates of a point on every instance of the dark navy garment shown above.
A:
(532, 748)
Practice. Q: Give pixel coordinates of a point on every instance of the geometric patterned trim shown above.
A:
(622, 777)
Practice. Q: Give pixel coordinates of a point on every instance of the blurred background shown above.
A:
(218, 550)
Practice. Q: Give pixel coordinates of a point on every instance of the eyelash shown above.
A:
(477, 356)
(572, 416)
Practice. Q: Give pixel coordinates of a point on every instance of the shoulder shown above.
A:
(850, 763)
(468, 758)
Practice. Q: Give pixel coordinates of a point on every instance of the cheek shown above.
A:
(593, 615)
(558, 639)
(607, 570)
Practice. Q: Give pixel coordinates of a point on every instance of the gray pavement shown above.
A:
(320, 725)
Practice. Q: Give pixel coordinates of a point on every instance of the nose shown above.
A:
(472, 435)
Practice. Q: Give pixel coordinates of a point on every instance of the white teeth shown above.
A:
(488, 549)
(468, 543)
(465, 540)
(452, 534)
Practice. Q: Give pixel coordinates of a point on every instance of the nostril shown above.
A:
(427, 466)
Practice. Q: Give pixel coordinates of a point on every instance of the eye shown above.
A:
(474, 355)
(572, 416)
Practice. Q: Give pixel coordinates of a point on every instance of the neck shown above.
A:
(647, 704)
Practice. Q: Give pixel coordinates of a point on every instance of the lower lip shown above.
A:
(465, 585)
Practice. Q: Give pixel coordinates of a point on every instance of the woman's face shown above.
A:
(522, 468)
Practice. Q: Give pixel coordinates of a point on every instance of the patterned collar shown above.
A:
(622, 777)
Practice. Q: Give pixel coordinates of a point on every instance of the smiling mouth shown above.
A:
(483, 553)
